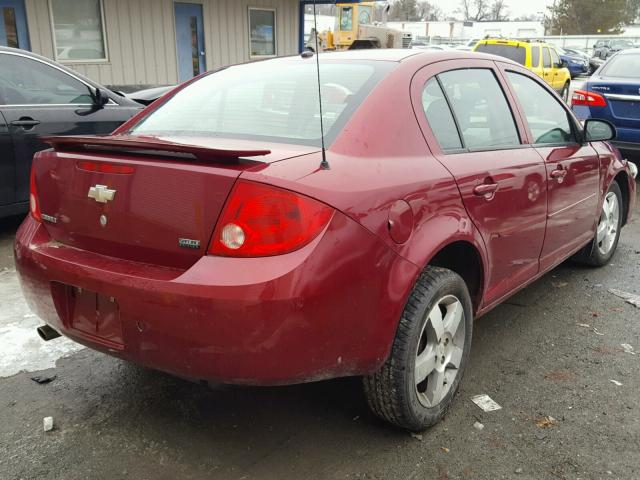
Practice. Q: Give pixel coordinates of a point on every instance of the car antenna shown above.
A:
(324, 165)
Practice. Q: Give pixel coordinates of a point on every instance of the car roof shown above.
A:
(629, 51)
(516, 43)
(385, 54)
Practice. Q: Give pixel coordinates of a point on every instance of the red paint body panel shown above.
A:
(332, 307)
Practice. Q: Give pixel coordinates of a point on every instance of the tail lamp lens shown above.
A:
(260, 220)
(34, 202)
(589, 99)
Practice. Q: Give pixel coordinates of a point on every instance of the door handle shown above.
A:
(486, 190)
(559, 174)
(25, 122)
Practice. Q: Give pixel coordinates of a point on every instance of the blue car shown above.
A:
(576, 63)
(613, 94)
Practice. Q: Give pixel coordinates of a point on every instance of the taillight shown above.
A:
(34, 202)
(102, 167)
(589, 99)
(260, 220)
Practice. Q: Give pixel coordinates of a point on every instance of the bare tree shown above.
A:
(428, 11)
(475, 10)
(499, 11)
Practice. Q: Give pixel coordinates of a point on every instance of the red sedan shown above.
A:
(207, 237)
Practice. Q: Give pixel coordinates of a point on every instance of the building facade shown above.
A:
(136, 43)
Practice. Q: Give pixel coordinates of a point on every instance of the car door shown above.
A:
(37, 99)
(547, 66)
(572, 167)
(469, 125)
(7, 167)
(558, 72)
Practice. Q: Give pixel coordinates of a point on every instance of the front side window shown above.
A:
(275, 102)
(24, 81)
(78, 30)
(546, 58)
(346, 18)
(262, 32)
(439, 117)
(512, 52)
(555, 59)
(481, 109)
(547, 119)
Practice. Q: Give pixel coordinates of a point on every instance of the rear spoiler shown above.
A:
(124, 143)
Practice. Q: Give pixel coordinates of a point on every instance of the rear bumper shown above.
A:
(326, 310)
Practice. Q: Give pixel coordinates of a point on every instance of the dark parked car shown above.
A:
(605, 48)
(41, 97)
(576, 63)
(211, 237)
(613, 94)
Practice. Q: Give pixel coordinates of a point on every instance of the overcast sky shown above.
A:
(517, 8)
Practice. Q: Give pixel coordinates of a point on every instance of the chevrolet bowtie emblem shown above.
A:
(101, 193)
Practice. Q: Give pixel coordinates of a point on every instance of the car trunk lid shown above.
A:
(141, 199)
(623, 99)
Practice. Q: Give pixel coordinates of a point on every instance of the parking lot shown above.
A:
(551, 357)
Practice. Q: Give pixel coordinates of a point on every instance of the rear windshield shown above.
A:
(622, 66)
(512, 52)
(272, 100)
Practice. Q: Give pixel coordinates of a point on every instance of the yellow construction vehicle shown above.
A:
(357, 27)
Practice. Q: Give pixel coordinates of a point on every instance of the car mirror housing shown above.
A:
(100, 99)
(598, 130)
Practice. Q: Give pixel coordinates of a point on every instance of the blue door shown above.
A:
(190, 40)
(13, 25)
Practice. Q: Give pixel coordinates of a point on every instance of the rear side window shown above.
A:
(547, 119)
(555, 59)
(535, 57)
(439, 116)
(275, 101)
(546, 58)
(512, 52)
(480, 108)
(626, 65)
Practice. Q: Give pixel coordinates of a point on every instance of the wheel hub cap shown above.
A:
(440, 350)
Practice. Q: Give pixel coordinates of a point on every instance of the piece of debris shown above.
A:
(558, 375)
(518, 470)
(546, 422)
(485, 402)
(417, 436)
(356, 418)
(478, 426)
(615, 382)
(41, 379)
(585, 325)
(559, 284)
(595, 330)
(444, 449)
(47, 423)
(627, 348)
(631, 298)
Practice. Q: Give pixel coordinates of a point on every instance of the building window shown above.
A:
(78, 30)
(262, 32)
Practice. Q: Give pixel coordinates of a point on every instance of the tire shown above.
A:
(393, 393)
(600, 250)
(565, 93)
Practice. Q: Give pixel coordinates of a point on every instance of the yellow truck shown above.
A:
(357, 27)
(540, 58)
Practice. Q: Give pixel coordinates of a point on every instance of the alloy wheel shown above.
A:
(440, 351)
(608, 224)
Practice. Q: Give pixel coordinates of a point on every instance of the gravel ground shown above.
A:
(548, 356)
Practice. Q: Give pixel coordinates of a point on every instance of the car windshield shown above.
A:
(623, 66)
(512, 52)
(272, 100)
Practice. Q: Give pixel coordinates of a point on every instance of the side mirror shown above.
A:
(598, 130)
(100, 99)
(563, 64)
